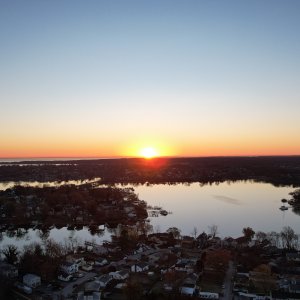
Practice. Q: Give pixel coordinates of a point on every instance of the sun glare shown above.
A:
(148, 152)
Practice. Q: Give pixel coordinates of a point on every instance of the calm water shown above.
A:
(230, 206)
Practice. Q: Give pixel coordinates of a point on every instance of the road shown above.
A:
(68, 289)
(228, 282)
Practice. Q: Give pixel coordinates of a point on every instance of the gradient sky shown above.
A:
(105, 78)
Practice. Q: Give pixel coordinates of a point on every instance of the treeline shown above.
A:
(283, 170)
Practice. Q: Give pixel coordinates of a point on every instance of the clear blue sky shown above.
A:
(194, 77)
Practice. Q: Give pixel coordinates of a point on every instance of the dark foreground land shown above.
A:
(277, 170)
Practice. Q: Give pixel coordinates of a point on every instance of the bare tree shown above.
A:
(274, 238)
(213, 230)
(194, 232)
(289, 238)
(11, 253)
(260, 236)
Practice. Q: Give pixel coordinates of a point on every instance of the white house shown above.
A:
(140, 267)
(69, 267)
(32, 280)
(188, 289)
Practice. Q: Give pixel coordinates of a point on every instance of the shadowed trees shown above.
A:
(295, 201)
(289, 238)
(11, 253)
(174, 231)
(248, 233)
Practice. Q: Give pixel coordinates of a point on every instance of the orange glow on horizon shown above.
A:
(89, 147)
(149, 152)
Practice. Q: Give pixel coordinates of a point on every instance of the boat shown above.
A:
(282, 207)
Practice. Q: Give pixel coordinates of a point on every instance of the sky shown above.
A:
(188, 78)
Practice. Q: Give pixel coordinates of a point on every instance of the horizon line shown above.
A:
(136, 157)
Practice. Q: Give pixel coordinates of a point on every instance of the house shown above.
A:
(92, 286)
(295, 286)
(188, 289)
(7, 270)
(32, 280)
(64, 276)
(189, 285)
(120, 275)
(142, 248)
(158, 256)
(104, 280)
(139, 267)
(242, 242)
(101, 262)
(208, 295)
(187, 242)
(185, 265)
(88, 296)
(69, 267)
(87, 267)
(293, 256)
(76, 259)
(97, 249)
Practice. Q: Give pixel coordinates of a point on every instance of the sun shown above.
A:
(149, 152)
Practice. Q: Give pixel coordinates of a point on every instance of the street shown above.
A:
(228, 282)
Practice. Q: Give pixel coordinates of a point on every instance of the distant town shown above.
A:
(277, 170)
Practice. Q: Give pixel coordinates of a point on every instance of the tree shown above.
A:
(194, 232)
(133, 290)
(124, 240)
(218, 260)
(260, 236)
(11, 254)
(248, 233)
(53, 249)
(289, 238)
(295, 201)
(144, 227)
(274, 238)
(213, 230)
(174, 231)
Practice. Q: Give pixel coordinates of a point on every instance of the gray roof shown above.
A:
(92, 286)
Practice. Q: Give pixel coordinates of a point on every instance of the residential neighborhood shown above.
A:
(163, 266)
